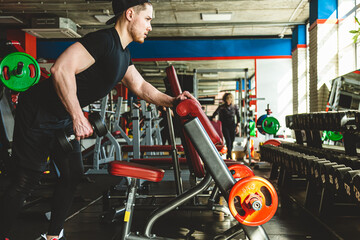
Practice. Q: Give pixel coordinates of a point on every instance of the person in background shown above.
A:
(227, 113)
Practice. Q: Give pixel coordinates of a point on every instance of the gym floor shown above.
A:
(291, 220)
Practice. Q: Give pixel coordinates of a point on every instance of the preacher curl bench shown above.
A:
(252, 200)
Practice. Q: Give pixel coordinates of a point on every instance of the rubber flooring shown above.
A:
(291, 221)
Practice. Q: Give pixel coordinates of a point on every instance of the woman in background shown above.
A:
(227, 113)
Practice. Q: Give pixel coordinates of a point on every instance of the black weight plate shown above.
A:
(99, 127)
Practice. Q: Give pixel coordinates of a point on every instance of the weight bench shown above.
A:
(256, 197)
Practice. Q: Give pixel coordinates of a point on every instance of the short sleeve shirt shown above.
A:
(94, 83)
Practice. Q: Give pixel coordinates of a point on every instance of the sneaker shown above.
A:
(61, 236)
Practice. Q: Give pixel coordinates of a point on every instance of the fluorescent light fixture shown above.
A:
(216, 16)
(209, 75)
(150, 70)
(103, 18)
(10, 20)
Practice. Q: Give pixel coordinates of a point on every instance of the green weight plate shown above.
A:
(252, 128)
(271, 125)
(17, 80)
(324, 136)
(334, 136)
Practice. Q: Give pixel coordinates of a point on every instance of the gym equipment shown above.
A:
(200, 135)
(332, 135)
(252, 128)
(98, 126)
(348, 182)
(19, 71)
(253, 201)
(240, 171)
(267, 125)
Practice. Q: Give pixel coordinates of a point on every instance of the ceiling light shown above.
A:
(9, 19)
(210, 75)
(103, 18)
(150, 70)
(216, 16)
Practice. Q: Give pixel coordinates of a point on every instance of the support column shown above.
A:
(27, 41)
(323, 46)
(300, 69)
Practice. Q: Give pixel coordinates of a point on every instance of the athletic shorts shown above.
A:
(34, 134)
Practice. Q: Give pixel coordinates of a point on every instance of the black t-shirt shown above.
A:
(227, 114)
(111, 64)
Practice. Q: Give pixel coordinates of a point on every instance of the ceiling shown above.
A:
(176, 19)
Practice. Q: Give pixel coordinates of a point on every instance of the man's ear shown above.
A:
(129, 14)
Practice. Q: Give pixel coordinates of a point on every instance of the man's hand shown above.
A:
(185, 95)
(82, 128)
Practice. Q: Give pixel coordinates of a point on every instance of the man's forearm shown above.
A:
(150, 94)
(65, 86)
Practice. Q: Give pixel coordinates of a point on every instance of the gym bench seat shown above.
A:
(135, 170)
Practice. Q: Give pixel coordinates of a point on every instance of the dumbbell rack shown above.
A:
(329, 175)
(310, 125)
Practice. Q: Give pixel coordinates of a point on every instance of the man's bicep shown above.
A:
(75, 59)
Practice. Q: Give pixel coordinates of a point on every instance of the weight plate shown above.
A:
(99, 127)
(270, 125)
(252, 128)
(253, 201)
(334, 136)
(240, 171)
(259, 123)
(63, 141)
(18, 78)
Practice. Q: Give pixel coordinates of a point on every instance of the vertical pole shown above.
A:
(195, 84)
(174, 154)
(247, 117)
(136, 132)
(240, 104)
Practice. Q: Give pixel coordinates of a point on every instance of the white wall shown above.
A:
(274, 83)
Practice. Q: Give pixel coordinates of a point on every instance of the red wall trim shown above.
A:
(299, 46)
(205, 58)
(323, 21)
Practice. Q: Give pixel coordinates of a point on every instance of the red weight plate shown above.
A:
(249, 193)
(240, 171)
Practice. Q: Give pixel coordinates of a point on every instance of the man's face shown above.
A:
(141, 25)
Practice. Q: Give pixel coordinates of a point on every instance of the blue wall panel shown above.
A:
(173, 49)
(211, 48)
(323, 9)
(298, 36)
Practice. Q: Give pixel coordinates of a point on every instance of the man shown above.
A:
(85, 72)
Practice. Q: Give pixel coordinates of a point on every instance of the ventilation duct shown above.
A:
(53, 27)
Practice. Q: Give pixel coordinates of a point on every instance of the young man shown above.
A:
(85, 72)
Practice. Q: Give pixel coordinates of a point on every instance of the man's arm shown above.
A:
(73, 60)
(144, 90)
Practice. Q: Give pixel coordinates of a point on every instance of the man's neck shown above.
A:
(124, 36)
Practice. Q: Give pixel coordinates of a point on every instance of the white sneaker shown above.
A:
(61, 236)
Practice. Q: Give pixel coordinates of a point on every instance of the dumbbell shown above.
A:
(348, 182)
(95, 121)
(339, 179)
